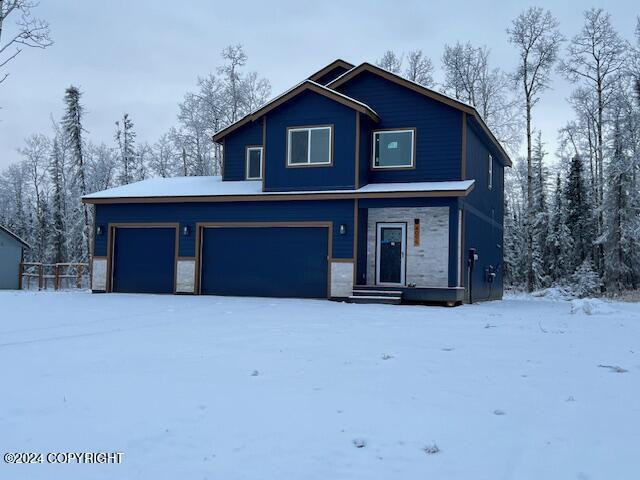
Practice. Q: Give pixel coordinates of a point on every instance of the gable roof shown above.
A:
(416, 87)
(14, 236)
(339, 63)
(307, 85)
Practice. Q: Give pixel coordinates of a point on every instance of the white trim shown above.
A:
(403, 252)
(392, 130)
(308, 130)
(247, 156)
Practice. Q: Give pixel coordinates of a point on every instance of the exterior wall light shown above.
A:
(343, 229)
(99, 230)
(186, 231)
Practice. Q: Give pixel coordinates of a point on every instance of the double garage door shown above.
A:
(264, 261)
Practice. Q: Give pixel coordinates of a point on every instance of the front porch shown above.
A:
(409, 250)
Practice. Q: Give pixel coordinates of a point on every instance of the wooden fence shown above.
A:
(56, 275)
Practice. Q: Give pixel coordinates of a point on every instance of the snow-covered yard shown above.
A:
(230, 388)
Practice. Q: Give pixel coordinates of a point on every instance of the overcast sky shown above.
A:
(141, 56)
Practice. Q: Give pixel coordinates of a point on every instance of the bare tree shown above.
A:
(536, 36)
(596, 57)
(419, 68)
(30, 32)
(236, 58)
(469, 78)
(390, 61)
(35, 154)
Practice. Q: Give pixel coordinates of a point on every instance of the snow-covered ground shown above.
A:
(232, 388)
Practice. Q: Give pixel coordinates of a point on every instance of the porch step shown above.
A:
(381, 299)
(377, 293)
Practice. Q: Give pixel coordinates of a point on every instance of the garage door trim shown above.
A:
(111, 233)
(202, 225)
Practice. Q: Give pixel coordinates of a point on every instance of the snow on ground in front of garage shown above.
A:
(234, 388)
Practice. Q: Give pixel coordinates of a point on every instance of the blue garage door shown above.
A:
(265, 261)
(144, 260)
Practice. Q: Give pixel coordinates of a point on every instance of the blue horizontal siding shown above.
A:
(235, 145)
(188, 214)
(438, 135)
(307, 109)
(483, 218)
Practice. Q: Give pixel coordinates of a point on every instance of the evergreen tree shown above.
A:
(621, 221)
(578, 218)
(540, 227)
(126, 142)
(585, 280)
(72, 125)
(560, 242)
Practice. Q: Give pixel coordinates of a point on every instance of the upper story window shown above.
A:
(394, 148)
(309, 146)
(254, 163)
(490, 172)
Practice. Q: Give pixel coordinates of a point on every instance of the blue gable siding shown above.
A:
(483, 215)
(439, 128)
(307, 109)
(331, 75)
(188, 214)
(235, 149)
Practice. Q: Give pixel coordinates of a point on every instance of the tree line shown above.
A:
(40, 195)
(571, 218)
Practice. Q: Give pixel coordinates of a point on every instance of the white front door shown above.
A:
(391, 246)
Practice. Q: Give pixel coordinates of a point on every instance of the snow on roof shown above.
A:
(215, 187)
(15, 237)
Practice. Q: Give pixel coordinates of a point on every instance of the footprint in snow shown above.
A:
(359, 442)
(386, 356)
(448, 349)
(614, 368)
(499, 412)
(255, 373)
(431, 449)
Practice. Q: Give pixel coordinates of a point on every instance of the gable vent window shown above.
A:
(309, 146)
(393, 149)
(254, 163)
(490, 172)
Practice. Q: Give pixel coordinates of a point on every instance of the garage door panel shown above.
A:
(265, 261)
(144, 260)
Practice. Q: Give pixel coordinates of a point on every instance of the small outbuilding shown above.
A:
(11, 254)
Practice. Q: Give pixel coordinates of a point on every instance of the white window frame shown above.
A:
(490, 173)
(394, 130)
(248, 156)
(308, 163)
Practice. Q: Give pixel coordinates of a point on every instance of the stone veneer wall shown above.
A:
(427, 264)
(186, 276)
(341, 279)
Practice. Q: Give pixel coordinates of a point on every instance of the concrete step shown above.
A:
(375, 299)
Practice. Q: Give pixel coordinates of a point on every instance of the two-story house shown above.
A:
(356, 183)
